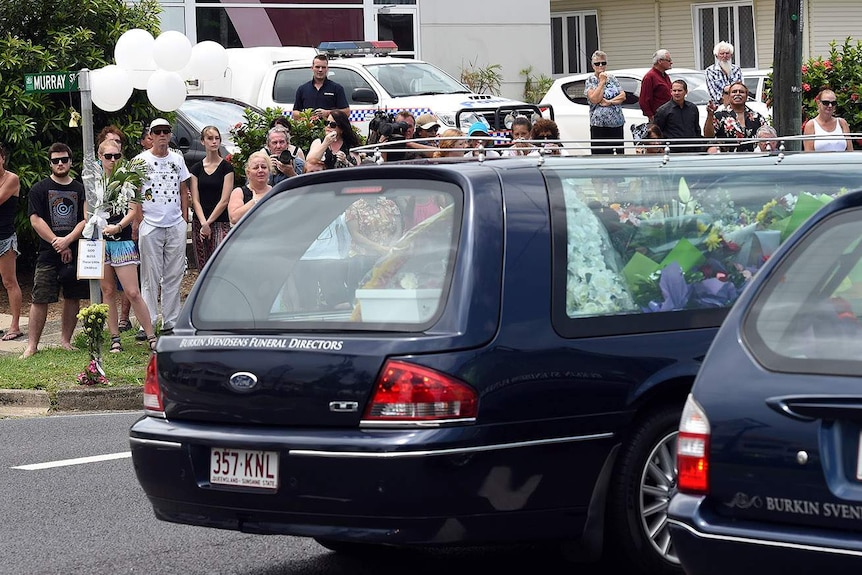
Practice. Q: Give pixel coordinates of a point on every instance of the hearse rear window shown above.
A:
(348, 255)
(675, 242)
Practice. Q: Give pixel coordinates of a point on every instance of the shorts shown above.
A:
(10, 243)
(121, 253)
(47, 284)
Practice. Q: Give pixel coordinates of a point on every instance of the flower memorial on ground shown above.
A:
(692, 252)
(93, 318)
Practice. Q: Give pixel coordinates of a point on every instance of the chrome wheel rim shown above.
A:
(657, 486)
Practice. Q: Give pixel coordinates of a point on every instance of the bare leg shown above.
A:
(109, 296)
(129, 277)
(125, 306)
(70, 319)
(38, 315)
(13, 290)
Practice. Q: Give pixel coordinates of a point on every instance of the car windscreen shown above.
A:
(223, 115)
(698, 93)
(414, 79)
(347, 255)
(672, 242)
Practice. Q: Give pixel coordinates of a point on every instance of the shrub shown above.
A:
(43, 36)
(841, 72)
(482, 79)
(535, 88)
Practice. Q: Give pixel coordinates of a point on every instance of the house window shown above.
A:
(731, 22)
(574, 38)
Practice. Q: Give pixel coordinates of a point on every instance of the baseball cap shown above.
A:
(427, 121)
(159, 122)
(476, 128)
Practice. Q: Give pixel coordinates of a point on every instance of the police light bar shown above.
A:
(376, 48)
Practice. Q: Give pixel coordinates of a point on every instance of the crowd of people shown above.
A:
(152, 232)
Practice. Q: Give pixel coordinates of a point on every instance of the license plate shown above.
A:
(244, 468)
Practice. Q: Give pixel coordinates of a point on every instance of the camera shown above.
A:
(379, 118)
(393, 130)
(285, 157)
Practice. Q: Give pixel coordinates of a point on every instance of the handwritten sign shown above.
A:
(91, 259)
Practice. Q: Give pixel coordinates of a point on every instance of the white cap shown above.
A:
(159, 122)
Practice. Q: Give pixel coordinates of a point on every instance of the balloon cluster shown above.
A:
(158, 65)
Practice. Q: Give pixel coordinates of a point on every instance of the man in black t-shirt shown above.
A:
(56, 210)
(320, 93)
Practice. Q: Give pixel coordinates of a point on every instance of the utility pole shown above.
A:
(787, 71)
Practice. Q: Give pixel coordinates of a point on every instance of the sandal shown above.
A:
(116, 346)
(152, 339)
(124, 325)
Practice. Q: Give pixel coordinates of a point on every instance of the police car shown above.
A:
(375, 82)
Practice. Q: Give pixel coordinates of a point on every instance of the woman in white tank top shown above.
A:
(828, 129)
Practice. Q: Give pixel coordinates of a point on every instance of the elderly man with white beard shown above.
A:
(723, 72)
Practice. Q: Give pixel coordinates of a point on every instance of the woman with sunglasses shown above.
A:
(122, 259)
(827, 128)
(334, 149)
(606, 96)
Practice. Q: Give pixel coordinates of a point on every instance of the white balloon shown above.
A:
(134, 50)
(140, 78)
(172, 50)
(208, 61)
(110, 87)
(166, 90)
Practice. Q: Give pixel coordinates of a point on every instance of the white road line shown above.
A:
(76, 461)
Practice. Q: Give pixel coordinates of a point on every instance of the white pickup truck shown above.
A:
(372, 81)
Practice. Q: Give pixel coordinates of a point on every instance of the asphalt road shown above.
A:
(94, 518)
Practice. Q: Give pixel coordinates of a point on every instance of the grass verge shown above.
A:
(53, 368)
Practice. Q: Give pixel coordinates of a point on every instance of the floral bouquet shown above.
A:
(93, 375)
(112, 193)
(93, 318)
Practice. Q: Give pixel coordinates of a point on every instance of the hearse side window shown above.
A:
(672, 240)
(807, 318)
(357, 255)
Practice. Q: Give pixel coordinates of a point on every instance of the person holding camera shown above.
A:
(334, 150)
(287, 160)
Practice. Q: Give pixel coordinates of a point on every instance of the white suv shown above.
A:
(389, 84)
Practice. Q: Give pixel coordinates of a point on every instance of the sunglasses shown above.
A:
(61, 160)
(600, 63)
(160, 131)
(112, 156)
(331, 124)
(829, 102)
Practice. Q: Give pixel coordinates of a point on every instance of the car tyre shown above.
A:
(644, 480)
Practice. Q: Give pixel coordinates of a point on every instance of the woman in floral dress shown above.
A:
(738, 121)
(121, 258)
(606, 96)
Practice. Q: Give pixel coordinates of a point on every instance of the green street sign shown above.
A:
(51, 82)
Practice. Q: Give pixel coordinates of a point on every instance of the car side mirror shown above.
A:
(183, 144)
(364, 96)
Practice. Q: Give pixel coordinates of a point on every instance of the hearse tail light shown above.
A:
(692, 452)
(405, 392)
(152, 393)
